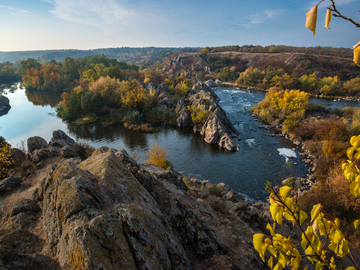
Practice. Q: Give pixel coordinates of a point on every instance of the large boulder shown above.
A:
(35, 143)
(10, 183)
(210, 83)
(60, 139)
(68, 152)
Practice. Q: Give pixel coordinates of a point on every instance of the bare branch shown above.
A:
(339, 15)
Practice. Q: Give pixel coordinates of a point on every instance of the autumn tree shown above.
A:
(157, 156)
(132, 93)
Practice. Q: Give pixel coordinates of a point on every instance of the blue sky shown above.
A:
(90, 24)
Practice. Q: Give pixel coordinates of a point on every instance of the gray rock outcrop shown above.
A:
(4, 105)
(216, 127)
(60, 145)
(211, 83)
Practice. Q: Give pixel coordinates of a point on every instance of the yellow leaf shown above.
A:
(351, 268)
(303, 216)
(319, 266)
(337, 237)
(350, 152)
(270, 262)
(357, 55)
(315, 226)
(295, 264)
(311, 18)
(279, 217)
(258, 240)
(274, 209)
(284, 191)
(356, 223)
(328, 18)
(343, 249)
(315, 211)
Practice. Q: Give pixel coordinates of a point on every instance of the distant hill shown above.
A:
(293, 63)
(130, 55)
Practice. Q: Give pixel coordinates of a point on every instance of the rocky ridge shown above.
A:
(217, 129)
(110, 212)
(185, 62)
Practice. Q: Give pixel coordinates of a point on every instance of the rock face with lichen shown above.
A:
(109, 212)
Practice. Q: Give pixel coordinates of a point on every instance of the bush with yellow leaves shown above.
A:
(157, 156)
(6, 159)
(198, 115)
(323, 233)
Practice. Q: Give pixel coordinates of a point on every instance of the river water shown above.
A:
(245, 171)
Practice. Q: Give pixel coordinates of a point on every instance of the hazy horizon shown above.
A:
(92, 24)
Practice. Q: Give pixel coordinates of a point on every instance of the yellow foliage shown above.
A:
(147, 80)
(133, 94)
(158, 156)
(294, 100)
(5, 159)
(198, 115)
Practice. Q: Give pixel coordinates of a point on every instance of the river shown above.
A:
(245, 171)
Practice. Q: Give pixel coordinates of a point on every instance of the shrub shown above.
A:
(133, 117)
(215, 191)
(158, 156)
(157, 116)
(84, 149)
(306, 130)
(6, 159)
(333, 130)
(198, 115)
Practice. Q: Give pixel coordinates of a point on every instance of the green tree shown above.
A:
(91, 103)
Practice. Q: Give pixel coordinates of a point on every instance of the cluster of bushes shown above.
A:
(271, 76)
(282, 106)
(115, 98)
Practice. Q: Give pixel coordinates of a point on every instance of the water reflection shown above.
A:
(100, 134)
(43, 98)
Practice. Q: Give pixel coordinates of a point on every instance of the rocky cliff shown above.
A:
(59, 211)
(185, 62)
(217, 129)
